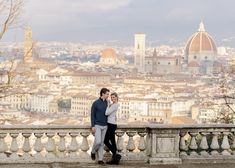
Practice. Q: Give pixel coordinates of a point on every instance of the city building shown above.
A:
(83, 78)
(81, 105)
(162, 64)
(40, 102)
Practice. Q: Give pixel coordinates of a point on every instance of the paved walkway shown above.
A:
(93, 165)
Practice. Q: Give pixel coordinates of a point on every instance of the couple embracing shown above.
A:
(104, 124)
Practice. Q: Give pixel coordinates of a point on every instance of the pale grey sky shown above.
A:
(163, 21)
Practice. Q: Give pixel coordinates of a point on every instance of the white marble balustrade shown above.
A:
(47, 144)
(150, 144)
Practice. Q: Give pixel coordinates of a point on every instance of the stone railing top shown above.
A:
(190, 126)
(130, 126)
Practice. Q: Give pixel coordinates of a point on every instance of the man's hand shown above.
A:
(93, 130)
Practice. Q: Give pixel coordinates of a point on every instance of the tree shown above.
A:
(10, 11)
(227, 94)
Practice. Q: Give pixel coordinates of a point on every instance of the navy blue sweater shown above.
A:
(98, 109)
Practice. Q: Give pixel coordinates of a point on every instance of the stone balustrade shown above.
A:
(208, 141)
(150, 144)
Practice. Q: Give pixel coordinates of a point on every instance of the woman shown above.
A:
(109, 140)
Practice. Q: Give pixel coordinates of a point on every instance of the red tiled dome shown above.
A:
(108, 53)
(200, 41)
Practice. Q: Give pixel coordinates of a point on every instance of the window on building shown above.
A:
(205, 57)
(195, 57)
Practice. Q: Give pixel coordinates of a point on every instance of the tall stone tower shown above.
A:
(139, 52)
(28, 45)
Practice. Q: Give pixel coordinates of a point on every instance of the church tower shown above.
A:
(139, 52)
(28, 45)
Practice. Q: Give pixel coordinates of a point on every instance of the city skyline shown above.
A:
(164, 22)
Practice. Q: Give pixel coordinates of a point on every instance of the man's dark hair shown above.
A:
(103, 91)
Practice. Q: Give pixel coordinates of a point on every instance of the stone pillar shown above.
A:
(233, 144)
(165, 146)
(38, 147)
(3, 146)
(193, 144)
(26, 146)
(131, 145)
(14, 146)
(84, 147)
(61, 145)
(73, 147)
(142, 146)
(183, 146)
(120, 140)
(214, 143)
(225, 144)
(204, 144)
(50, 146)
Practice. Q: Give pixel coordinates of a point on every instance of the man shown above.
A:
(99, 124)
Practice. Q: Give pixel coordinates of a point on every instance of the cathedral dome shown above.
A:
(200, 42)
(108, 53)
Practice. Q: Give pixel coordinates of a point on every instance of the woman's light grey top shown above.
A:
(111, 112)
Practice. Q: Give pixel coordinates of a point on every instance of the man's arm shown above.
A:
(93, 115)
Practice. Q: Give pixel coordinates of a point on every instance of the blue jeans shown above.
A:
(99, 141)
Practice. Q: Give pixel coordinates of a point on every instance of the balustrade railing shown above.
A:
(209, 140)
(154, 144)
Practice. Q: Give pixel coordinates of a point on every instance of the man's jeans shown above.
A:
(98, 145)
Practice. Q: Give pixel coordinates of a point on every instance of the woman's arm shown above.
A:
(111, 109)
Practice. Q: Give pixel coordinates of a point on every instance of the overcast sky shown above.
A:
(163, 21)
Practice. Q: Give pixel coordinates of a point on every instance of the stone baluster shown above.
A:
(233, 145)
(38, 146)
(26, 146)
(73, 147)
(131, 144)
(14, 146)
(84, 146)
(50, 146)
(225, 144)
(204, 144)
(120, 141)
(214, 143)
(182, 145)
(193, 144)
(142, 144)
(3, 146)
(61, 145)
